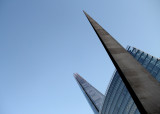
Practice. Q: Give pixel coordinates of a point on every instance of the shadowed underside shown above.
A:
(144, 89)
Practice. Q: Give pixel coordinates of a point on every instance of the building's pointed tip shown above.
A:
(75, 74)
(85, 13)
(88, 16)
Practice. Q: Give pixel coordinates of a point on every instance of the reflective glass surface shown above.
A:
(93, 96)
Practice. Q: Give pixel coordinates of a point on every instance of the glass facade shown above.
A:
(118, 100)
(93, 96)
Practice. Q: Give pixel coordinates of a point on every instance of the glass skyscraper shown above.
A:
(117, 99)
(93, 96)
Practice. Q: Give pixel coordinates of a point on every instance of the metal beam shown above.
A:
(144, 89)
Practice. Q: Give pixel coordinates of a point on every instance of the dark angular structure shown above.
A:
(144, 89)
(118, 99)
(142, 86)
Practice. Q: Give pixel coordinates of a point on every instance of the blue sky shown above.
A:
(43, 42)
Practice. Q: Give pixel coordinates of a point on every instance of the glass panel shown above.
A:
(138, 55)
(116, 98)
(130, 49)
(110, 91)
(124, 103)
(143, 56)
(151, 64)
(137, 112)
(120, 99)
(129, 104)
(158, 76)
(134, 51)
(133, 109)
(147, 60)
(113, 94)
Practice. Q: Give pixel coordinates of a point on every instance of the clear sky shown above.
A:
(43, 42)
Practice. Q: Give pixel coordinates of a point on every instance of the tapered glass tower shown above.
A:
(93, 96)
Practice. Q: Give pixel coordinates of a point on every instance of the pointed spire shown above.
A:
(144, 89)
(93, 95)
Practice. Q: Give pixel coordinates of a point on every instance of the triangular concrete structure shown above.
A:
(144, 89)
